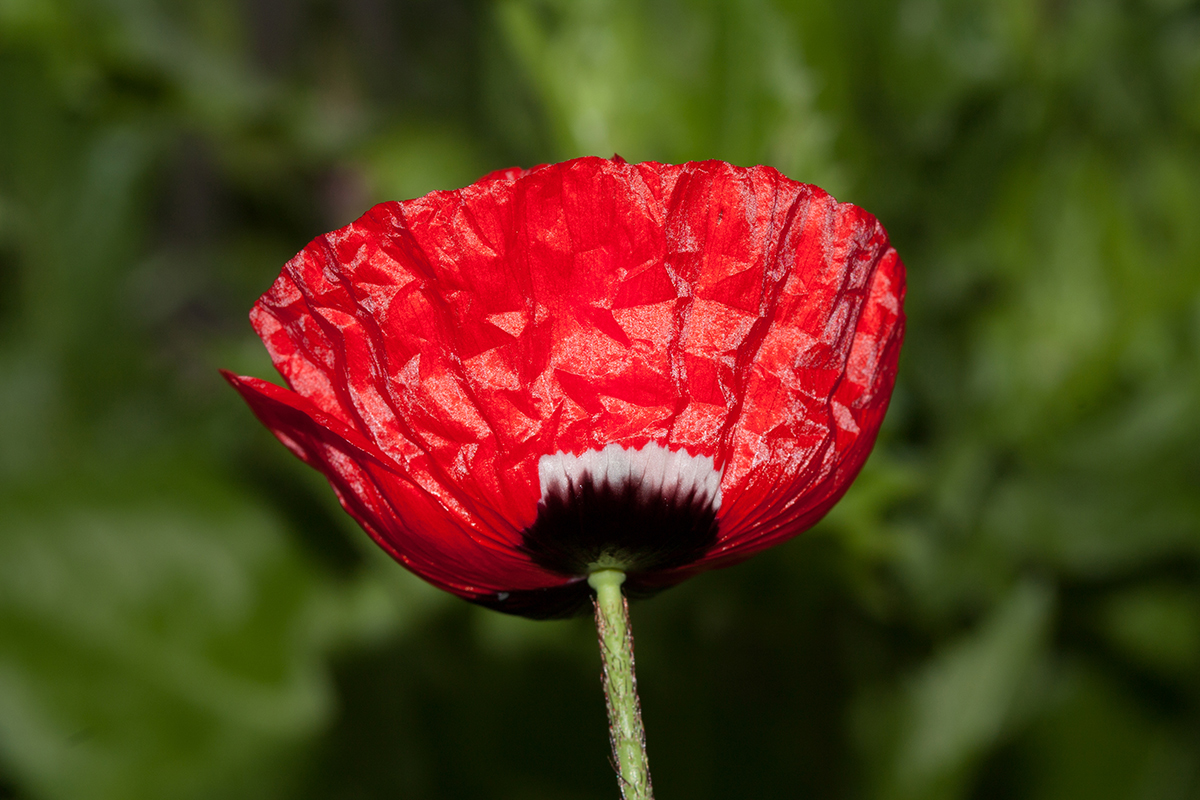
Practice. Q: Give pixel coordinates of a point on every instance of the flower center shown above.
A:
(632, 510)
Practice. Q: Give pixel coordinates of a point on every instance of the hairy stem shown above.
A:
(620, 685)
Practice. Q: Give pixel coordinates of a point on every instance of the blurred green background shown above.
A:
(1006, 604)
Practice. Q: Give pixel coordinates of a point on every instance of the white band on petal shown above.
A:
(654, 471)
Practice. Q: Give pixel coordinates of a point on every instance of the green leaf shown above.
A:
(161, 647)
(964, 700)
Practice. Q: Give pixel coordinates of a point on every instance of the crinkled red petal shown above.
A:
(730, 312)
(407, 511)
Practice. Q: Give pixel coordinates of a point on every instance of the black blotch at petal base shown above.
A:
(592, 522)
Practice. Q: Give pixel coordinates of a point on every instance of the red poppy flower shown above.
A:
(660, 368)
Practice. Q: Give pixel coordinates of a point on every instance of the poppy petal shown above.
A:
(440, 350)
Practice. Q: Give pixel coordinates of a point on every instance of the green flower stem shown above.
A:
(620, 685)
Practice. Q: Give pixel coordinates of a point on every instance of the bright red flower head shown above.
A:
(659, 368)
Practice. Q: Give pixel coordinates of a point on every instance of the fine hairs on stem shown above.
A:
(620, 685)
